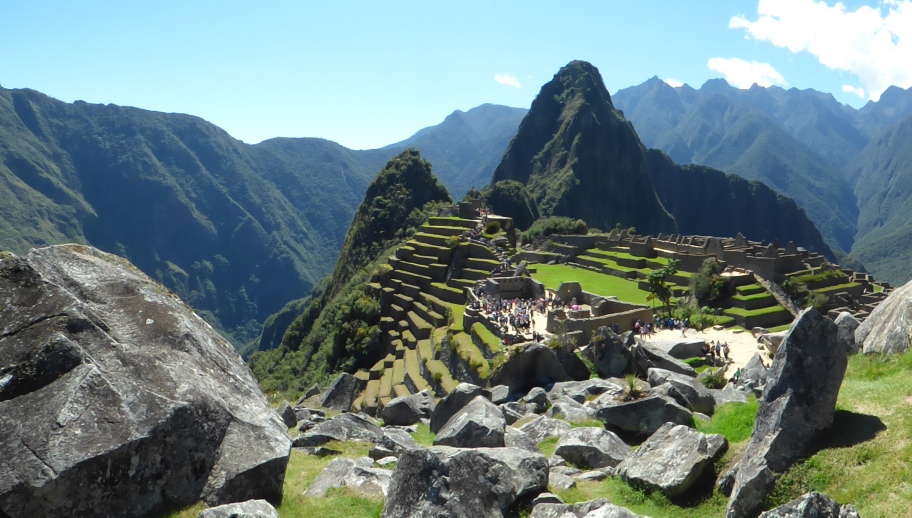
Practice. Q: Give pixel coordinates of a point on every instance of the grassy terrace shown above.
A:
(486, 336)
(552, 275)
(837, 287)
(756, 296)
(754, 312)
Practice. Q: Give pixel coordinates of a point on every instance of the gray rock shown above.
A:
(515, 411)
(596, 475)
(534, 365)
(754, 373)
(359, 475)
(644, 416)
(406, 410)
(543, 427)
(599, 508)
(730, 394)
(570, 410)
(453, 402)
(546, 498)
(888, 328)
(287, 415)
(248, 509)
(575, 368)
(305, 425)
(500, 394)
(556, 460)
(479, 424)
(812, 505)
(537, 396)
(581, 391)
(386, 461)
(846, 324)
(656, 357)
(397, 439)
(559, 480)
(463, 483)
(681, 349)
(303, 414)
(513, 438)
(591, 448)
(609, 353)
(797, 404)
(312, 391)
(672, 459)
(380, 452)
(656, 376)
(117, 399)
(692, 395)
(341, 393)
(344, 427)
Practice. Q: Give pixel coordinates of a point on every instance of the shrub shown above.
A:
(438, 376)
(713, 379)
(554, 225)
(707, 285)
(632, 390)
(452, 242)
(493, 227)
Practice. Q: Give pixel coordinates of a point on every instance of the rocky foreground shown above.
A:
(116, 399)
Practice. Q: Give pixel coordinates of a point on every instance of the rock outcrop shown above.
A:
(672, 459)
(889, 327)
(463, 483)
(812, 505)
(644, 416)
(453, 402)
(798, 403)
(117, 399)
(340, 394)
(478, 424)
(591, 448)
(406, 410)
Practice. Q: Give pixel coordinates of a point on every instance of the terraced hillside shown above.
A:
(422, 296)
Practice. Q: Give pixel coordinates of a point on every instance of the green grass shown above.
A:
(837, 287)
(552, 275)
(655, 504)
(733, 420)
(424, 436)
(548, 446)
(469, 352)
(486, 336)
(756, 296)
(754, 312)
(783, 327)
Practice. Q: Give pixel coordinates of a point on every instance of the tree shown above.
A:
(707, 285)
(658, 284)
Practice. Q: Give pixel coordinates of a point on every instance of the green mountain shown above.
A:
(746, 132)
(338, 328)
(579, 157)
(467, 146)
(884, 191)
(235, 230)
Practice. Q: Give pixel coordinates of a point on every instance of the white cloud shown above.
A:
(507, 79)
(872, 43)
(742, 74)
(849, 89)
(674, 83)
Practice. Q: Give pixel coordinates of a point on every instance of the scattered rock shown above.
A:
(575, 368)
(570, 410)
(581, 391)
(538, 398)
(888, 328)
(644, 416)
(248, 509)
(380, 452)
(314, 390)
(513, 438)
(596, 475)
(797, 404)
(470, 483)
(408, 410)
(359, 475)
(479, 424)
(812, 505)
(117, 399)
(656, 376)
(303, 414)
(305, 425)
(515, 411)
(591, 448)
(559, 479)
(546, 498)
(647, 356)
(692, 395)
(397, 439)
(543, 427)
(386, 461)
(672, 459)
(681, 349)
(345, 427)
(599, 508)
(754, 373)
(846, 324)
(609, 352)
(500, 394)
(341, 393)
(453, 402)
(534, 365)
(287, 415)
(731, 393)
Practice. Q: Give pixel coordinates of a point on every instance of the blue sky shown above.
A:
(366, 74)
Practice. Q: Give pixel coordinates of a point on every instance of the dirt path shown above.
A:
(742, 345)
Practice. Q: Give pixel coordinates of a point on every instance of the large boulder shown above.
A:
(580, 391)
(599, 508)
(543, 427)
(287, 414)
(248, 509)
(609, 352)
(453, 402)
(649, 355)
(570, 410)
(644, 416)
(691, 394)
(573, 365)
(344, 427)
(731, 393)
(812, 505)
(406, 410)
(359, 475)
(681, 349)
(470, 483)
(797, 404)
(480, 424)
(534, 365)
(846, 325)
(117, 399)
(754, 373)
(656, 376)
(340, 394)
(591, 448)
(889, 327)
(672, 459)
